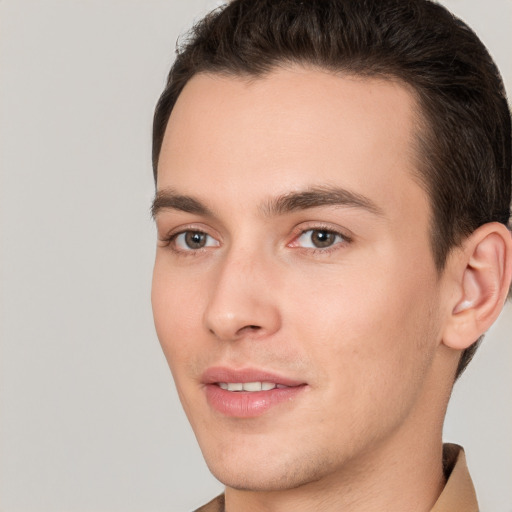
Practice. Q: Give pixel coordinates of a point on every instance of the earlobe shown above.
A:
(484, 270)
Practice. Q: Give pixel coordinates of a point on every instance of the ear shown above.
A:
(482, 271)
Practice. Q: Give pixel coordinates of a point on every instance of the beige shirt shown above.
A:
(458, 494)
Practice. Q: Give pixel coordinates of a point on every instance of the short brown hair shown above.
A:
(464, 148)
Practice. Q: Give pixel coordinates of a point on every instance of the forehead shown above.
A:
(293, 128)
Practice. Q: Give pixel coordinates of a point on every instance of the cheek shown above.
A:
(371, 348)
(176, 314)
(374, 326)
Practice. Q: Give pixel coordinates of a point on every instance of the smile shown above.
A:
(249, 392)
(250, 387)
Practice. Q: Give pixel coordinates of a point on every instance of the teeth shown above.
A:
(250, 386)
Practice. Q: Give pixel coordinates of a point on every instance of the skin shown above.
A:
(360, 322)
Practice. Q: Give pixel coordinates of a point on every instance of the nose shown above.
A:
(243, 299)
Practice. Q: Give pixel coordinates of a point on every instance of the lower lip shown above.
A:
(244, 404)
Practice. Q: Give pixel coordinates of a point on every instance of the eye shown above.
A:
(193, 240)
(319, 239)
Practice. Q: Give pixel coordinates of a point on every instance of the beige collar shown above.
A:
(458, 494)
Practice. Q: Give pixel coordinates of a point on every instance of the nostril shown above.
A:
(248, 329)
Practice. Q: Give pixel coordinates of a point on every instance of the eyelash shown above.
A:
(322, 228)
(170, 241)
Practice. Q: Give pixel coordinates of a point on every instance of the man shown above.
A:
(333, 195)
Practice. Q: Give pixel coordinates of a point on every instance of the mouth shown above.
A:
(250, 387)
(249, 393)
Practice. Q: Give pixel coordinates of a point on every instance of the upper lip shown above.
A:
(216, 374)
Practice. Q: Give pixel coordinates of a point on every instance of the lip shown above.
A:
(224, 374)
(242, 404)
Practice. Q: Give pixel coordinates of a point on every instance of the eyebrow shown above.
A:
(168, 199)
(313, 197)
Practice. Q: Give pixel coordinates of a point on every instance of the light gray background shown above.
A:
(89, 420)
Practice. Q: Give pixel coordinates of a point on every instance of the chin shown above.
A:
(259, 480)
(276, 472)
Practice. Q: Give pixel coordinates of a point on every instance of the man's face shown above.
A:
(294, 262)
